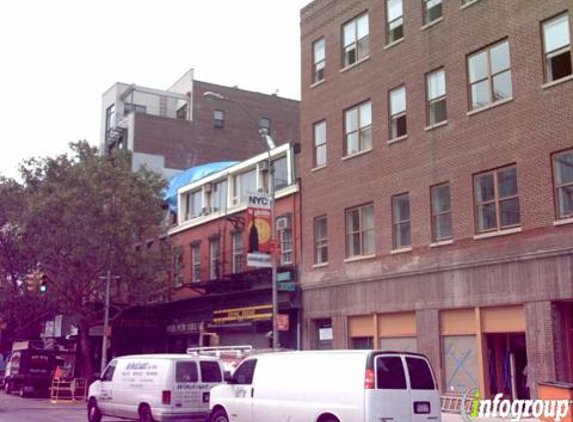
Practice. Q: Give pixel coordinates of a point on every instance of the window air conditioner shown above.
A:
(283, 223)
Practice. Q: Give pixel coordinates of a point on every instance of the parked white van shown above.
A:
(159, 387)
(329, 386)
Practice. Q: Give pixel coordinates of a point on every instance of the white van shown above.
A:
(329, 386)
(159, 387)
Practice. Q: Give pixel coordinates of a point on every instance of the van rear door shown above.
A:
(425, 398)
(186, 394)
(211, 375)
(387, 398)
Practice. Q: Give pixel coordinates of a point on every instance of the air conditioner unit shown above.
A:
(264, 166)
(283, 223)
(208, 188)
(206, 210)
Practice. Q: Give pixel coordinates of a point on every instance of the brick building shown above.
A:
(215, 297)
(178, 128)
(437, 172)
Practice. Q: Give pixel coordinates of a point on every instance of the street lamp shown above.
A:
(270, 144)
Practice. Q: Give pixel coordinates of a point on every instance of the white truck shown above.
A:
(155, 387)
(329, 386)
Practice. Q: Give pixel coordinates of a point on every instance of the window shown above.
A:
(265, 123)
(178, 266)
(285, 236)
(441, 212)
(358, 128)
(490, 75)
(243, 183)
(280, 166)
(320, 240)
(355, 40)
(318, 61)
(398, 126)
(497, 201)
(432, 10)
(245, 372)
(320, 144)
(390, 373)
(238, 257)
(214, 258)
(219, 119)
(420, 374)
(394, 21)
(109, 371)
(557, 48)
(563, 177)
(182, 112)
(436, 92)
(196, 262)
(210, 372)
(109, 120)
(186, 372)
(360, 231)
(219, 195)
(193, 204)
(401, 218)
(136, 108)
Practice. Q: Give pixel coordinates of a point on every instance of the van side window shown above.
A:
(390, 373)
(244, 373)
(420, 374)
(186, 372)
(210, 372)
(108, 373)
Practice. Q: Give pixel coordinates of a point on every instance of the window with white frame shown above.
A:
(320, 240)
(355, 37)
(178, 267)
(219, 119)
(320, 144)
(109, 120)
(280, 167)
(135, 108)
(394, 21)
(441, 212)
(193, 204)
(238, 255)
(358, 128)
(490, 75)
(432, 10)
(398, 126)
(436, 100)
(401, 221)
(196, 262)
(318, 60)
(285, 236)
(219, 195)
(497, 200)
(242, 184)
(563, 179)
(557, 48)
(360, 231)
(214, 258)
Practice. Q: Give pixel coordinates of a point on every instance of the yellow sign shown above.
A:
(251, 313)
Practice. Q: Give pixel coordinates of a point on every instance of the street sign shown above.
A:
(287, 287)
(282, 322)
(259, 260)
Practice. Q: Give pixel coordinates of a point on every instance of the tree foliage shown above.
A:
(76, 217)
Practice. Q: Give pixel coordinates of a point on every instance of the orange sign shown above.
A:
(282, 322)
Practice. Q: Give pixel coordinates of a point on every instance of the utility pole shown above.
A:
(105, 322)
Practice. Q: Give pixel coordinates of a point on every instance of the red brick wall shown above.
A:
(524, 131)
(186, 144)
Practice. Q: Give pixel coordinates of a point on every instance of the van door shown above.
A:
(105, 400)
(424, 396)
(389, 400)
(240, 407)
(186, 396)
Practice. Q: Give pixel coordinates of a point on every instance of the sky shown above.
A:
(58, 57)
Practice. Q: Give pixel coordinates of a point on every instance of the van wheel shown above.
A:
(219, 415)
(8, 387)
(145, 414)
(94, 414)
(23, 390)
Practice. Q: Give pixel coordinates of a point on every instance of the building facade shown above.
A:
(216, 298)
(178, 128)
(437, 174)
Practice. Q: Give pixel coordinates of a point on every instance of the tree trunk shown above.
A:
(85, 364)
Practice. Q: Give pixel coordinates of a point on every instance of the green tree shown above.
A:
(76, 217)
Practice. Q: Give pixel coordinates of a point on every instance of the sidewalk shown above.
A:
(456, 417)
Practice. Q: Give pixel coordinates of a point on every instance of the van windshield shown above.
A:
(186, 372)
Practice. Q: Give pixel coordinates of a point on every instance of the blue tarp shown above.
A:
(189, 176)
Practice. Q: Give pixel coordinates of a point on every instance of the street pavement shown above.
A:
(16, 409)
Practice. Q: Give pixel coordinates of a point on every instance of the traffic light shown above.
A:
(43, 284)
